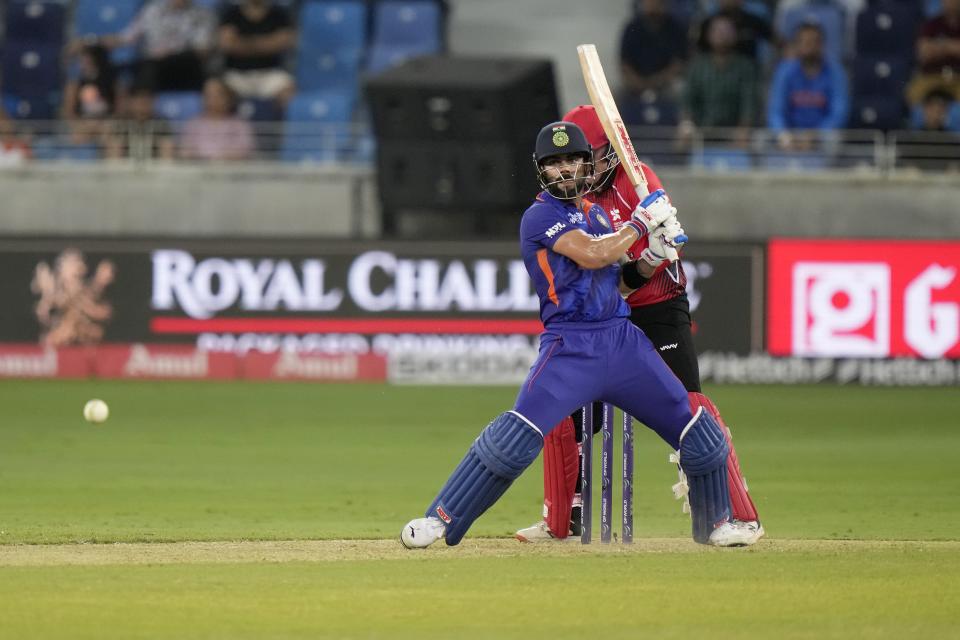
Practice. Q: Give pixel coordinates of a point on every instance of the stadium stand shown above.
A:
(342, 40)
(403, 30)
(93, 18)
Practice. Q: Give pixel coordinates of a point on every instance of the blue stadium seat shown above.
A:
(100, 17)
(884, 112)
(32, 107)
(684, 11)
(888, 29)
(31, 69)
(880, 75)
(333, 25)
(317, 127)
(178, 106)
(322, 69)
(829, 17)
(404, 30)
(35, 21)
(722, 159)
(658, 112)
(258, 110)
(758, 8)
(333, 40)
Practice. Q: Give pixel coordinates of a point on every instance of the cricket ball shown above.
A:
(96, 411)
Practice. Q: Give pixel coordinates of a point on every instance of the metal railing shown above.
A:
(144, 142)
(312, 143)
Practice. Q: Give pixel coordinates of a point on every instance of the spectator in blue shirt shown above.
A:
(808, 94)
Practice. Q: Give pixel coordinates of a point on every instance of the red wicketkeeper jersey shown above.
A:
(619, 200)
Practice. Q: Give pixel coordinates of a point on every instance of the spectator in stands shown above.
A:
(935, 111)
(721, 88)
(254, 38)
(750, 28)
(90, 96)
(808, 93)
(938, 52)
(653, 51)
(140, 135)
(92, 93)
(175, 37)
(14, 151)
(217, 133)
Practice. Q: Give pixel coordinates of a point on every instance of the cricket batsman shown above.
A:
(589, 350)
(658, 306)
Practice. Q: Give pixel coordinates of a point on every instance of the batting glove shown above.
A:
(652, 212)
(671, 233)
(657, 252)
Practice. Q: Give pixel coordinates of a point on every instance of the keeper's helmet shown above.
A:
(563, 139)
(585, 117)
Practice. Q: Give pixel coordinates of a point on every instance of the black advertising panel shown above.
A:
(725, 289)
(328, 295)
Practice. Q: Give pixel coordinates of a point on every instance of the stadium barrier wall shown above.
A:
(852, 311)
(334, 201)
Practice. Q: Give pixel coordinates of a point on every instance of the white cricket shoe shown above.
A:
(422, 532)
(736, 533)
(540, 532)
(537, 532)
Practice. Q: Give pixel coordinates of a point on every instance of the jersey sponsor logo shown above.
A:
(667, 347)
(603, 221)
(555, 229)
(576, 217)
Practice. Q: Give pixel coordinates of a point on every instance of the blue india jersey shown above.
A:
(568, 292)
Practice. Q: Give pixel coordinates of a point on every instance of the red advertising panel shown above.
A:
(34, 361)
(863, 298)
(163, 362)
(291, 365)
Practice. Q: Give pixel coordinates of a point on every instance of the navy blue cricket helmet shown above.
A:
(564, 138)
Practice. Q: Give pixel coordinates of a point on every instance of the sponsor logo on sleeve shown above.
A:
(555, 229)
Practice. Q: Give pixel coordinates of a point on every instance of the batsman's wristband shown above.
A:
(639, 228)
(630, 272)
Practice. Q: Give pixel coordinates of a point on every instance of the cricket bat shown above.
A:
(612, 123)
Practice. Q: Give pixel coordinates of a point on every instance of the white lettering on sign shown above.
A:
(930, 328)
(165, 365)
(841, 309)
(375, 281)
(292, 364)
(201, 289)
(29, 365)
(429, 285)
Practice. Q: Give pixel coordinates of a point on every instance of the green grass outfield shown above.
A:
(271, 510)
